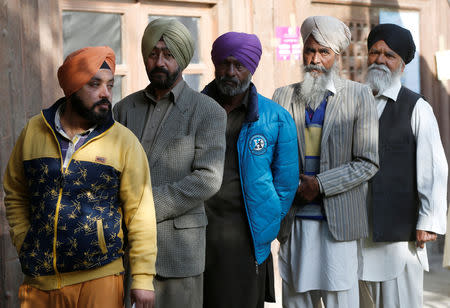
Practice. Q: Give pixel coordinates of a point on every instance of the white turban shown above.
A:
(327, 31)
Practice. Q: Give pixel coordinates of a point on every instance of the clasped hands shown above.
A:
(309, 188)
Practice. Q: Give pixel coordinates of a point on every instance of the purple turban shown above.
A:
(246, 48)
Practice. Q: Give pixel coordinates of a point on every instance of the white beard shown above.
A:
(379, 77)
(313, 88)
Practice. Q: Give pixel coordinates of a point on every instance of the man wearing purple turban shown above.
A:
(259, 182)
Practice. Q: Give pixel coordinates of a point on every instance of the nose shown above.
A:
(231, 70)
(105, 92)
(381, 59)
(315, 58)
(160, 60)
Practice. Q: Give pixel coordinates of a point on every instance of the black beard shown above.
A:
(165, 83)
(89, 114)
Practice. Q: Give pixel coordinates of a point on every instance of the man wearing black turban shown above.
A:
(407, 204)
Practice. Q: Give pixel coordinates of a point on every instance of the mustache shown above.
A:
(381, 67)
(101, 102)
(159, 70)
(232, 79)
(314, 67)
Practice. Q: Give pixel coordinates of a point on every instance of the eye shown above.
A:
(221, 66)
(110, 86)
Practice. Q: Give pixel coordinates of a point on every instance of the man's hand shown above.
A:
(309, 188)
(424, 236)
(142, 298)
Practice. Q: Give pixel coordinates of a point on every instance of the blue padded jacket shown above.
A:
(268, 165)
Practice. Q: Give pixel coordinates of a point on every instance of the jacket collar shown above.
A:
(252, 114)
(49, 117)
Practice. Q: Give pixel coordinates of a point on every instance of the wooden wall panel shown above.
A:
(50, 46)
(11, 103)
(31, 60)
(26, 78)
(263, 15)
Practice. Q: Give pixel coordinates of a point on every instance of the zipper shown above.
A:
(86, 143)
(243, 194)
(58, 203)
(55, 226)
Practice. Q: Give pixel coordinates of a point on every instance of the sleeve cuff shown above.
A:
(143, 282)
(320, 184)
(426, 223)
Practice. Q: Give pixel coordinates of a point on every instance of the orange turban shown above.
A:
(81, 65)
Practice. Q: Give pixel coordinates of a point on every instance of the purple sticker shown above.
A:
(288, 43)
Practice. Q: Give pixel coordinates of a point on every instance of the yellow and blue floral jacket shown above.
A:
(68, 224)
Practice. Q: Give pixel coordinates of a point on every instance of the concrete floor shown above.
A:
(436, 283)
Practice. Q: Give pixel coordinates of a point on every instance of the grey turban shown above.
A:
(327, 31)
(176, 36)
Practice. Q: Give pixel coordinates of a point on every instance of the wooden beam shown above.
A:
(410, 4)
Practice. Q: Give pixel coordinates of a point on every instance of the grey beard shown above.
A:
(228, 90)
(379, 77)
(313, 88)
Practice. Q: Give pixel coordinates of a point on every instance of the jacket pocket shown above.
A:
(101, 236)
(190, 221)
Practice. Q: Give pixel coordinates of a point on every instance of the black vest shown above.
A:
(395, 198)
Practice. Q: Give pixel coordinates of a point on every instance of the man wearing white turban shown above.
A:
(337, 138)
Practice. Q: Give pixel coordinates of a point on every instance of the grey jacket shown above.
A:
(348, 157)
(186, 167)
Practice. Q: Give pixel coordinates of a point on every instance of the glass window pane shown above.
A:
(117, 89)
(192, 24)
(193, 80)
(82, 29)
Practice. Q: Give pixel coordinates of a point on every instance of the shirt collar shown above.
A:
(393, 90)
(59, 127)
(330, 86)
(173, 95)
(245, 100)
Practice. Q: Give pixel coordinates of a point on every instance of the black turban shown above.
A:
(397, 38)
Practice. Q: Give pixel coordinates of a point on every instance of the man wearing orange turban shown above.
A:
(75, 176)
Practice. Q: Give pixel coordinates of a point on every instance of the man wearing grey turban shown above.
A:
(408, 203)
(183, 134)
(337, 139)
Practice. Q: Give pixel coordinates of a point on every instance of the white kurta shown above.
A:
(386, 261)
(312, 259)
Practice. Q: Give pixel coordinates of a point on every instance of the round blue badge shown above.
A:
(258, 144)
